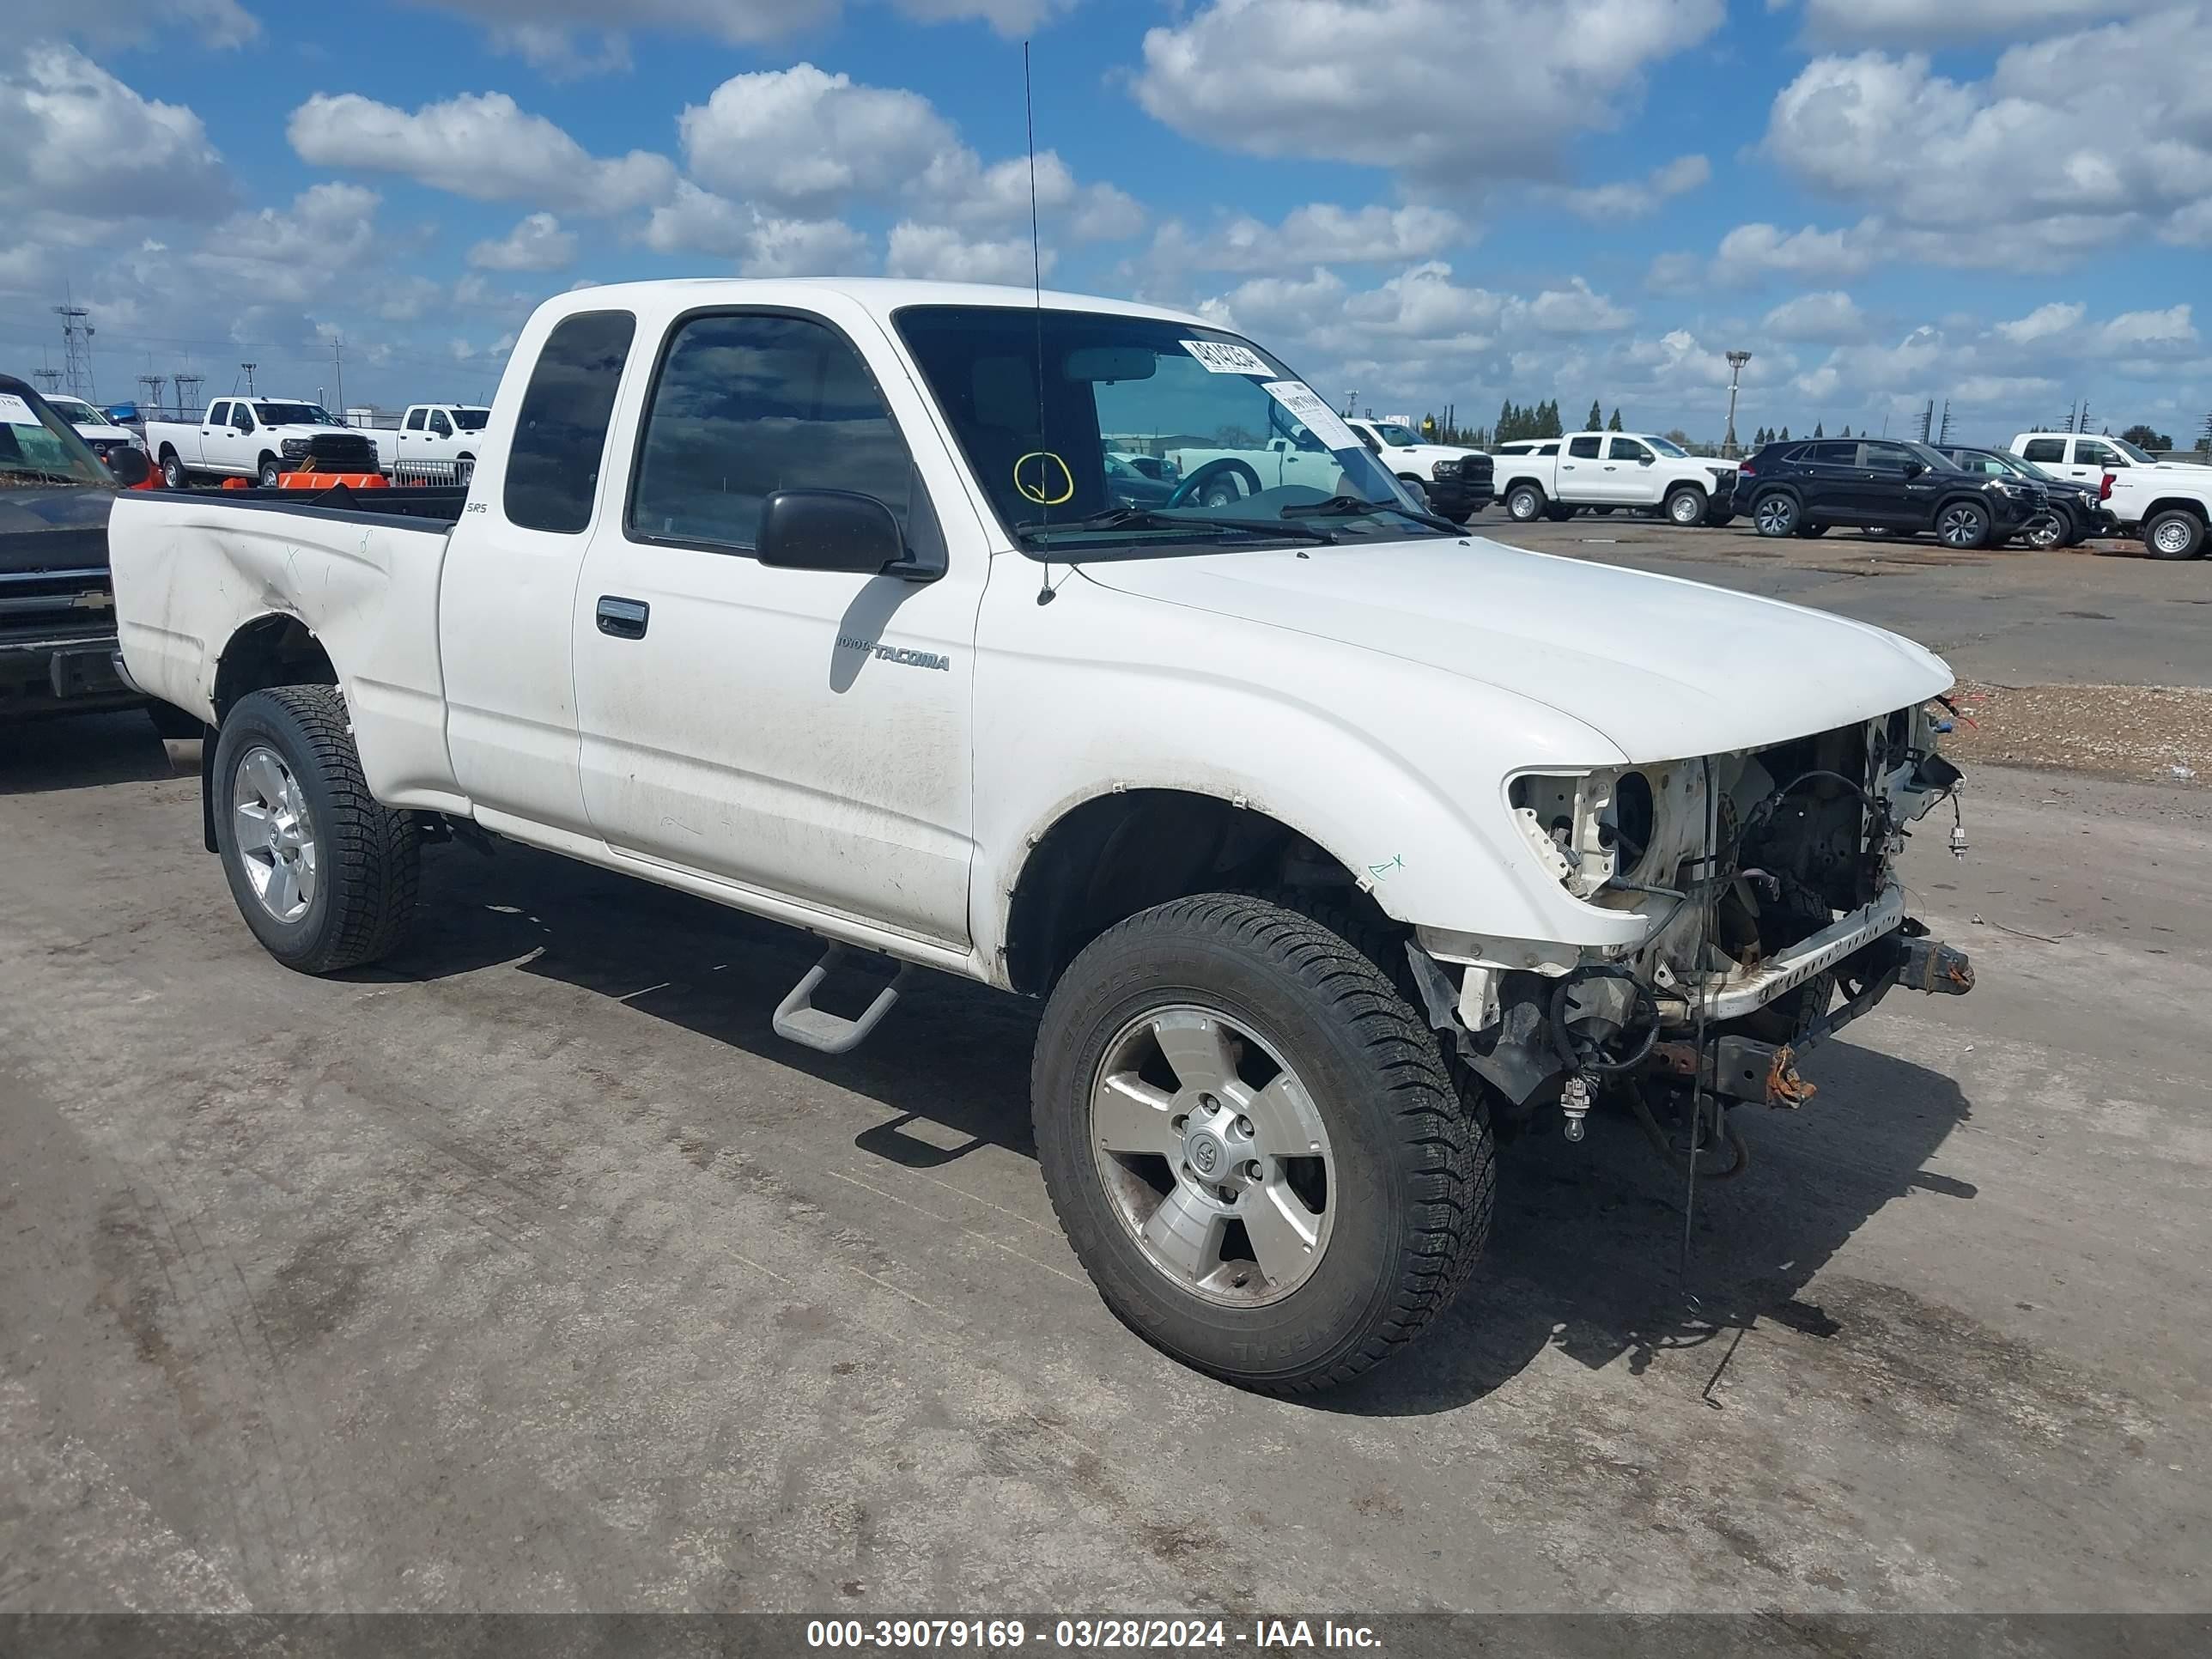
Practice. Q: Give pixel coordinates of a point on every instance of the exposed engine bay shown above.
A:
(1774, 918)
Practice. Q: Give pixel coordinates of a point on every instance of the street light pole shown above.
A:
(1736, 360)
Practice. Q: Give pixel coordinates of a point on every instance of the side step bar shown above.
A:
(800, 1021)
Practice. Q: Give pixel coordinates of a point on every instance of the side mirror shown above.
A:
(1646, 458)
(129, 467)
(1914, 469)
(827, 530)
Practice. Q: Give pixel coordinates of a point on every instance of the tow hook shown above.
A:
(1930, 965)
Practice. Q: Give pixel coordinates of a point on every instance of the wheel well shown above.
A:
(270, 650)
(1114, 855)
(1512, 484)
(2177, 504)
(1690, 484)
(167, 451)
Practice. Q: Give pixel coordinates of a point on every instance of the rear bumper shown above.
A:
(61, 676)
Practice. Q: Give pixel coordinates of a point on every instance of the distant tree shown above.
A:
(1846, 432)
(2144, 437)
(1596, 418)
(1614, 425)
(1816, 431)
(1784, 437)
(1505, 433)
(2204, 438)
(1678, 438)
(1548, 419)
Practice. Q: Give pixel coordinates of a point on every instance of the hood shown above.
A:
(58, 527)
(1666, 669)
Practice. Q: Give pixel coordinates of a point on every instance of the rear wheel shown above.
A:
(2045, 530)
(1775, 514)
(324, 873)
(1524, 503)
(1254, 1145)
(1962, 524)
(2174, 535)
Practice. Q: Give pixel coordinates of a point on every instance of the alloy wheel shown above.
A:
(275, 834)
(1961, 525)
(1213, 1155)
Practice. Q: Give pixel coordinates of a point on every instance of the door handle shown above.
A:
(622, 619)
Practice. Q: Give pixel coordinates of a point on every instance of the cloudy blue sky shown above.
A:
(2005, 203)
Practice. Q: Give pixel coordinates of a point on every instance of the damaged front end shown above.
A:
(1773, 918)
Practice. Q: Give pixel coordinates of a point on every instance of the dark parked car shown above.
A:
(1804, 487)
(2075, 514)
(56, 607)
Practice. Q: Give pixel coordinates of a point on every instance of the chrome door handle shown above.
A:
(621, 619)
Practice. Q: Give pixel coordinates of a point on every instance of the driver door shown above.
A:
(1628, 474)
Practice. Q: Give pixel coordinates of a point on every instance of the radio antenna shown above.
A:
(1046, 591)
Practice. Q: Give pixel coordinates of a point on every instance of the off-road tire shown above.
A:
(367, 855)
(1415, 1173)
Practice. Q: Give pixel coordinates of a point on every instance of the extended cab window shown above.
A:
(561, 435)
(2047, 449)
(1582, 449)
(747, 405)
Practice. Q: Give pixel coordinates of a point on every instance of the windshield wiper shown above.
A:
(1144, 517)
(1352, 507)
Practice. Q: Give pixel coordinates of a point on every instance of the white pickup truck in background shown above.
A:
(2082, 459)
(255, 438)
(444, 433)
(1456, 479)
(2168, 508)
(1330, 839)
(1614, 471)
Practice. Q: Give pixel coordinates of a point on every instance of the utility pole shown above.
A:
(249, 368)
(1350, 402)
(1736, 360)
(1927, 421)
(77, 349)
(337, 362)
(1946, 438)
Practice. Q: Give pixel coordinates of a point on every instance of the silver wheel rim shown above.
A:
(1523, 505)
(2045, 531)
(1961, 527)
(1775, 516)
(2171, 536)
(1213, 1155)
(1220, 494)
(275, 837)
(1685, 510)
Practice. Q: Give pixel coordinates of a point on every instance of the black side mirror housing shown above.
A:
(827, 530)
(129, 467)
(1914, 469)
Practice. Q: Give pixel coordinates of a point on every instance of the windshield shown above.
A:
(1665, 447)
(293, 415)
(37, 447)
(1247, 454)
(78, 412)
(1398, 437)
(2134, 454)
(470, 420)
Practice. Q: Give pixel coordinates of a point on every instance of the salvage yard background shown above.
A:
(531, 1271)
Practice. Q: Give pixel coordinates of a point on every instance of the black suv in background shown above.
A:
(2075, 514)
(1802, 487)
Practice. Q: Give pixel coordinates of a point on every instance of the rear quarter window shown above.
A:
(561, 433)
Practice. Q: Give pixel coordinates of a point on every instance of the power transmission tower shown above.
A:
(2204, 440)
(337, 362)
(152, 385)
(1927, 421)
(77, 349)
(1946, 438)
(188, 384)
(2084, 426)
(49, 379)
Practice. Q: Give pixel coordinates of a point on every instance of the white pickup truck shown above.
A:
(1332, 842)
(256, 438)
(2082, 459)
(2169, 507)
(1613, 470)
(444, 434)
(1456, 479)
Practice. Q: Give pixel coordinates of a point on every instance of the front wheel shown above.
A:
(1524, 503)
(2045, 531)
(271, 472)
(1963, 524)
(324, 873)
(1686, 507)
(1254, 1145)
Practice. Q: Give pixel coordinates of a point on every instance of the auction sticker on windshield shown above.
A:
(16, 412)
(1302, 401)
(1222, 358)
